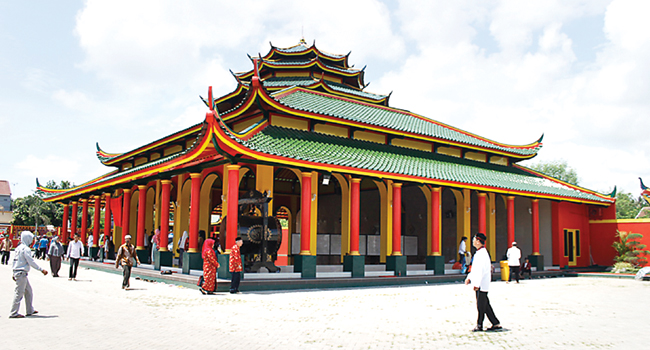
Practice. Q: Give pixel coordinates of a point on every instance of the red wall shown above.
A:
(603, 235)
(571, 216)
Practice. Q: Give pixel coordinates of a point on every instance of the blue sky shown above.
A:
(125, 73)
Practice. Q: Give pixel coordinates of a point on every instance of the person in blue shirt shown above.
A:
(42, 247)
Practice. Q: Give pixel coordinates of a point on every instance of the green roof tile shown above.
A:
(393, 119)
(327, 149)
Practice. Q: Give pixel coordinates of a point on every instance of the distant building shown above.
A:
(5, 206)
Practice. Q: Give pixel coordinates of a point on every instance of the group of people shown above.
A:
(210, 266)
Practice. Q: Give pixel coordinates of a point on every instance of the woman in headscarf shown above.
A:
(155, 244)
(181, 247)
(210, 266)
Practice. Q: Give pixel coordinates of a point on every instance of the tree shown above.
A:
(629, 248)
(558, 169)
(31, 209)
(627, 207)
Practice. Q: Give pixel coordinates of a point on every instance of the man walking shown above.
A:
(75, 251)
(21, 266)
(235, 266)
(5, 249)
(54, 254)
(42, 247)
(480, 278)
(513, 254)
(125, 256)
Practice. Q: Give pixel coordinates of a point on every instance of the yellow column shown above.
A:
(386, 218)
(467, 214)
(264, 182)
(345, 213)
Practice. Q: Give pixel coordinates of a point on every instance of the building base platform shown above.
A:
(375, 276)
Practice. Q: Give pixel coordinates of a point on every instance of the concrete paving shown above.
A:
(551, 313)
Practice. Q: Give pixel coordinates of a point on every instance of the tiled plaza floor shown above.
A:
(553, 313)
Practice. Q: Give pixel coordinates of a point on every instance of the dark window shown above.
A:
(577, 242)
(566, 242)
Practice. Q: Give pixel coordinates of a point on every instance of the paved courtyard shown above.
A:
(94, 312)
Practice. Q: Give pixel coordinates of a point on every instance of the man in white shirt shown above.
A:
(75, 251)
(462, 250)
(480, 278)
(513, 254)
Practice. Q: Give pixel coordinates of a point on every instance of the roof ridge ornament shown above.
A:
(643, 187)
(612, 194)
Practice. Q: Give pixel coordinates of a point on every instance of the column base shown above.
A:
(537, 261)
(224, 263)
(397, 264)
(306, 265)
(143, 255)
(355, 264)
(94, 253)
(436, 263)
(161, 259)
(192, 261)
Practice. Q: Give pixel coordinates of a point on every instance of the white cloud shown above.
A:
(75, 100)
(48, 167)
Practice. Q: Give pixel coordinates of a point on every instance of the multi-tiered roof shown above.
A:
(301, 107)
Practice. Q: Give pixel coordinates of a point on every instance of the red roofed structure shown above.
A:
(357, 181)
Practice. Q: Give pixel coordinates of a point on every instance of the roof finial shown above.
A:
(210, 100)
(302, 36)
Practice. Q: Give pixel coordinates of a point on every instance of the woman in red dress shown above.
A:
(210, 266)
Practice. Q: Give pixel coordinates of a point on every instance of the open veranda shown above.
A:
(553, 313)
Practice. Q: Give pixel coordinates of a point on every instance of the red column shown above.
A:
(107, 215)
(98, 203)
(64, 225)
(511, 219)
(195, 202)
(305, 217)
(142, 211)
(233, 205)
(164, 214)
(354, 215)
(397, 219)
(73, 220)
(535, 212)
(482, 223)
(126, 212)
(436, 209)
(84, 220)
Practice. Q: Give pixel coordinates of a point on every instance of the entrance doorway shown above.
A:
(572, 246)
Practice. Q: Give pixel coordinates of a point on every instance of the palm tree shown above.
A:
(35, 209)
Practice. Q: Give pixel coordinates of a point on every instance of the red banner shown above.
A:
(116, 210)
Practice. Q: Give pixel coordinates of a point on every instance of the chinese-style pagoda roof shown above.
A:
(115, 158)
(309, 150)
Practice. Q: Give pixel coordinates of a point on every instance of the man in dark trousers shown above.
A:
(125, 256)
(235, 266)
(480, 278)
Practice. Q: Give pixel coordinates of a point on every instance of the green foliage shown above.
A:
(624, 267)
(629, 248)
(627, 207)
(558, 169)
(32, 210)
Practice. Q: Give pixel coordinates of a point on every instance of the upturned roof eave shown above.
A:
(273, 102)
